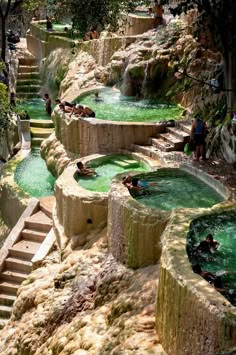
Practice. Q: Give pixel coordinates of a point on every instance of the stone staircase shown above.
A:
(28, 80)
(174, 139)
(17, 264)
(40, 130)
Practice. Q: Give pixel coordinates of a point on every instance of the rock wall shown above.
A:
(191, 316)
(78, 211)
(134, 231)
(13, 200)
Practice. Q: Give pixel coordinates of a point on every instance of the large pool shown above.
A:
(117, 107)
(223, 260)
(106, 169)
(176, 189)
(33, 177)
(35, 109)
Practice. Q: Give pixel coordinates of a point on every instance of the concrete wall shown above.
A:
(87, 136)
(132, 25)
(191, 316)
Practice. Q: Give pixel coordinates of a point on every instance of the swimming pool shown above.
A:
(176, 189)
(35, 109)
(222, 261)
(117, 107)
(106, 169)
(33, 177)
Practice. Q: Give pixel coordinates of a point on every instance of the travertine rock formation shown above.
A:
(88, 304)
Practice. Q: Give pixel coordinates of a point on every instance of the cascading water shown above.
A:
(144, 83)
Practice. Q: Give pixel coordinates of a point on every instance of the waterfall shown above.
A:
(144, 83)
(228, 144)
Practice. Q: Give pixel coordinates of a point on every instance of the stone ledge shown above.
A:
(191, 317)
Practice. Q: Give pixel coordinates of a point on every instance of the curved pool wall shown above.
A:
(87, 136)
(191, 316)
(13, 200)
(135, 230)
(78, 211)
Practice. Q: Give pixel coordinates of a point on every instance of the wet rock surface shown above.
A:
(87, 304)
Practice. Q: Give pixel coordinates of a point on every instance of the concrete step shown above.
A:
(30, 81)
(183, 136)
(7, 299)
(37, 132)
(28, 76)
(9, 287)
(144, 149)
(28, 61)
(3, 322)
(185, 126)
(36, 142)
(47, 204)
(28, 69)
(13, 275)
(33, 235)
(162, 145)
(5, 311)
(28, 88)
(39, 221)
(18, 264)
(24, 249)
(42, 123)
(173, 140)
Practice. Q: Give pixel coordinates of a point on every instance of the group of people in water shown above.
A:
(209, 246)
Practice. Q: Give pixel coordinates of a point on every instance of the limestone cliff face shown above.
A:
(86, 304)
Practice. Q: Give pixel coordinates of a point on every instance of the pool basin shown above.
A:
(117, 107)
(32, 176)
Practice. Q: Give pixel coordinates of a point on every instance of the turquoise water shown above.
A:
(177, 189)
(106, 169)
(57, 26)
(223, 260)
(33, 177)
(117, 107)
(35, 109)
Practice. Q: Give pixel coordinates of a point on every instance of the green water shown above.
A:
(57, 26)
(33, 177)
(116, 107)
(35, 109)
(223, 228)
(177, 189)
(106, 169)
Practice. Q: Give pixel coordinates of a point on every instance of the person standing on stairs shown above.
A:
(198, 135)
(48, 106)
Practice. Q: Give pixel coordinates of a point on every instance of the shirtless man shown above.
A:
(82, 170)
(82, 111)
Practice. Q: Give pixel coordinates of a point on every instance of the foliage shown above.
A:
(86, 14)
(31, 5)
(4, 110)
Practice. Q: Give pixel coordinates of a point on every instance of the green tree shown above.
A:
(5, 115)
(4, 11)
(91, 13)
(219, 18)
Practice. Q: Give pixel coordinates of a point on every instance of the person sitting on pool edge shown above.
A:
(65, 108)
(82, 170)
(82, 111)
(207, 244)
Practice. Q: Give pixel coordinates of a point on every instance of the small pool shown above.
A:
(106, 169)
(177, 189)
(117, 107)
(33, 177)
(223, 260)
(35, 109)
(59, 27)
